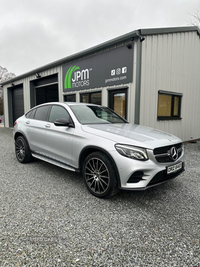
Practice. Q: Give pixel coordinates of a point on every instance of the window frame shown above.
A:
(173, 95)
(67, 100)
(111, 98)
(90, 97)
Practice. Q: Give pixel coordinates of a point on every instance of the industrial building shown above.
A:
(148, 76)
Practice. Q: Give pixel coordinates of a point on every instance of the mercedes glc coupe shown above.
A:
(110, 153)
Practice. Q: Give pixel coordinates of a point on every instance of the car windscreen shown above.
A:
(88, 114)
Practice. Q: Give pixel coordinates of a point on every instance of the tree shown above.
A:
(195, 21)
(4, 76)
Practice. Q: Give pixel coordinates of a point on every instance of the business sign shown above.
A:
(106, 69)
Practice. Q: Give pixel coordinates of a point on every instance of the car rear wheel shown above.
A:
(99, 175)
(22, 150)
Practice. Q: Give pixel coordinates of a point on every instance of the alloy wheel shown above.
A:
(97, 175)
(20, 149)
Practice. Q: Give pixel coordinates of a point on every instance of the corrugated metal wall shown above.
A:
(171, 62)
(26, 90)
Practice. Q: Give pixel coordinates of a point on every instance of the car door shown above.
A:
(59, 139)
(35, 128)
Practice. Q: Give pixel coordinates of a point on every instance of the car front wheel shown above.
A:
(99, 175)
(22, 150)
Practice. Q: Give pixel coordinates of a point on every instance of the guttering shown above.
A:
(170, 30)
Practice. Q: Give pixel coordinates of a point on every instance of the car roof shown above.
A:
(79, 104)
(67, 103)
(63, 104)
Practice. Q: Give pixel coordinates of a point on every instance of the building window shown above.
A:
(169, 105)
(94, 98)
(118, 101)
(70, 98)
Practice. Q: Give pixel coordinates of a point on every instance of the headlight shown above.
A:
(132, 152)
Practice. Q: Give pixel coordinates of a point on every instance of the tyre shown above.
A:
(99, 175)
(22, 150)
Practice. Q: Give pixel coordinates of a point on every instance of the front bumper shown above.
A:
(140, 175)
(160, 178)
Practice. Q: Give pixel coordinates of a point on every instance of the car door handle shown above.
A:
(27, 122)
(47, 125)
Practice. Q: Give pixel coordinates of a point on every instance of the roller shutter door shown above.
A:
(18, 102)
(46, 89)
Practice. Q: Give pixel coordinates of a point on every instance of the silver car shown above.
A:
(110, 153)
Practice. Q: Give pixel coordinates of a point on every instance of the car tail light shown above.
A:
(15, 123)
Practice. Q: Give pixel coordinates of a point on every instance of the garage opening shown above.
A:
(17, 102)
(45, 90)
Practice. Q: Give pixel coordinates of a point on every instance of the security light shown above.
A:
(37, 75)
(129, 46)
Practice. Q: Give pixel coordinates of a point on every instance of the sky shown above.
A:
(36, 33)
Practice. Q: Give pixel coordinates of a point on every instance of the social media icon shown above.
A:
(118, 71)
(112, 72)
(124, 70)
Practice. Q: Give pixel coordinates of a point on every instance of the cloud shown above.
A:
(37, 33)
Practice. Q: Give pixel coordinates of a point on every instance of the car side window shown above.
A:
(41, 113)
(58, 112)
(31, 114)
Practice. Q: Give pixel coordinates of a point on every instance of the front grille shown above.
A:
(162, 154)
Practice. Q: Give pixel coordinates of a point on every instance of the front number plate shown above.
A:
(174, 168)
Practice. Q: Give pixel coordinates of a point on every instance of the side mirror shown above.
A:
(64, 122)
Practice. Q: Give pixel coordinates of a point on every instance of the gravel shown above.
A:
(48, 218)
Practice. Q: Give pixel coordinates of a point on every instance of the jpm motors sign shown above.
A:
(106, 69)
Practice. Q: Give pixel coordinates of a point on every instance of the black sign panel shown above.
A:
(106, 69)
